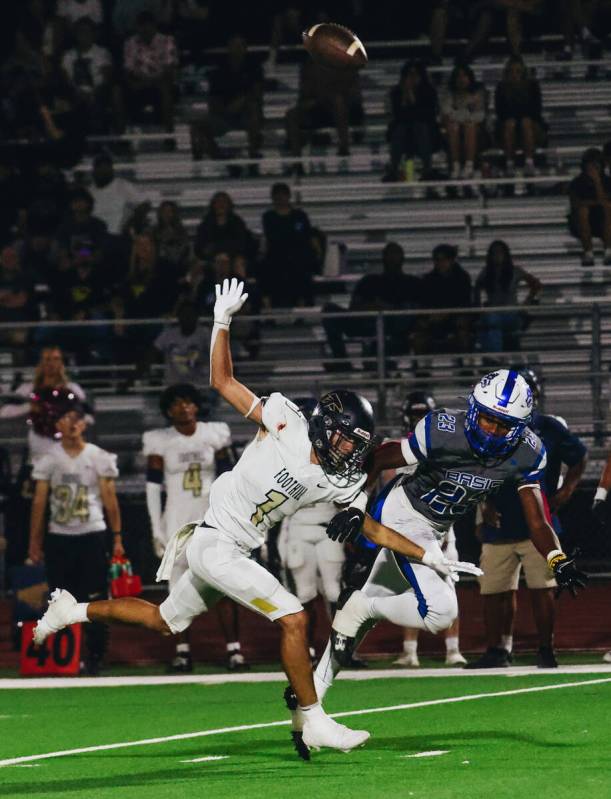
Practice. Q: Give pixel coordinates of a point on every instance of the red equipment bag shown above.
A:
(123, 582)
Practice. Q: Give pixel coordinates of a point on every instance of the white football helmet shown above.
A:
(504, 395)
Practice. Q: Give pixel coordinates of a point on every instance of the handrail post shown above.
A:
(381, 364)
(596, 366)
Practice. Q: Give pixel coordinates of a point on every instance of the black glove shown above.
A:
(346, 525)
(599, 511)
(568, 575)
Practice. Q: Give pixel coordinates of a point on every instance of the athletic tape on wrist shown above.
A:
(554, 557)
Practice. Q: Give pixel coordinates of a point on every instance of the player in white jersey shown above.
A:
(185, 459)
(77, 481)
(416, 406)
(289, 464)
(313, 560)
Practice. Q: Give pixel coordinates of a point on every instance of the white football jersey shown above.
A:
(189, 469)
(74, 490)
(273, 479)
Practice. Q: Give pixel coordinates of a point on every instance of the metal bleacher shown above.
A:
(567, 341)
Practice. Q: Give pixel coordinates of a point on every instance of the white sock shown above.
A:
(510, 164)
(607, 252)
(452, 643)
(455, 171)
(410, 647)
(468, 170)
(312, 652)
(529, 162)
(182, 649)
(507, 642)
(356, 611)
(79, 614)
(314, 711)
(233, 646)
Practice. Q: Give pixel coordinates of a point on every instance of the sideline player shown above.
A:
(77, 479)
(185, 459)
(290, 463)
(600, 509)
(416, 406)
(462, 456)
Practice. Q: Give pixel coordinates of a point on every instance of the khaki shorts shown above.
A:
(501, 563)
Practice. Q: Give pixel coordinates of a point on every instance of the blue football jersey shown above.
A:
(450, 478)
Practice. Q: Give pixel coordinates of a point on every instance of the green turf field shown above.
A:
(552, 743)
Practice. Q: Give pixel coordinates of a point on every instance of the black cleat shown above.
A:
(546, 659)
(494, 657)
(342, 648)
(290, 700)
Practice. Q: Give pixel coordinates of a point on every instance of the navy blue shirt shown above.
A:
(561, 446)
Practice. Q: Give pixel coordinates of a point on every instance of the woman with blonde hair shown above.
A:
(49, 374)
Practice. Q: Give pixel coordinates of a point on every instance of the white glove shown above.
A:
(449, 568)
(158, 547)
(229, 299)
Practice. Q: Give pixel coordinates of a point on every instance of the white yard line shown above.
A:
(205, 759)
(278, 676)
(12, 761)
(431, 753)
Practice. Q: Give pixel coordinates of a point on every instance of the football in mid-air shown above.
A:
(334, 46)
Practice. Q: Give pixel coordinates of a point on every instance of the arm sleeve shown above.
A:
(153, 505)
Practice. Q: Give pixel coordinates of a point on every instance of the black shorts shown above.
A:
(78, 563)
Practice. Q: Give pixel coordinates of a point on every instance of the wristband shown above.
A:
(601, 494)
(554, 557)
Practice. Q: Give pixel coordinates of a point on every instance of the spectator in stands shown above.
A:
(81, 232)
(487, 13)
(590, 213)
(577, 21)
(150, 65)
(222, 230)
(413, 128)
(72, 11)
(235, 101)
(172, 241)
(247, 334)
(327, 98)
(499, 281)
(290, 259)
(118, 202)
(184, 349)
(463, 109)
(88, 70)
(193, 28)
(16, 300)
(517, 101)
(50, 373)
(447, 285)
(392, 290)
(442, 11)
(607, 156)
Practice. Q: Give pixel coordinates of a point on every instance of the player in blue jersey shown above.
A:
(507, 548)
(462, 456)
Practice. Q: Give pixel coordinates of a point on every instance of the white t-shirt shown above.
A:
(73, 10)
(115, 201)
(273, 479)
(188, 469)
(87, 70)
(74, 491)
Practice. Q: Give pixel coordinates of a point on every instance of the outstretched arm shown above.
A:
(229, 300)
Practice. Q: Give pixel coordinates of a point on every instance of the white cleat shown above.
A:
(323, 731)
(408, 659)
(607, 657)
(57, 616)
(455, 659)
